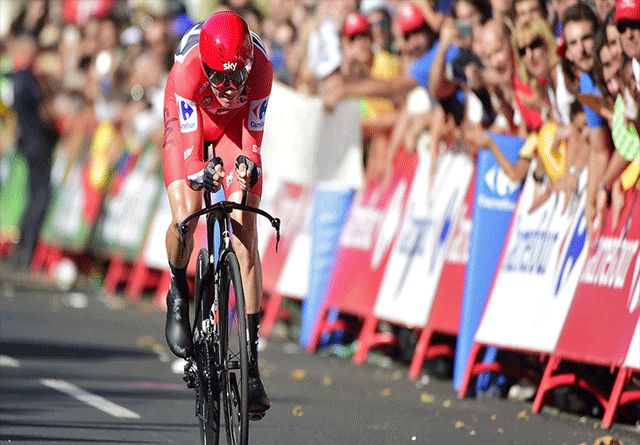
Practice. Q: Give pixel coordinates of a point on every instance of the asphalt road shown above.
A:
(91, 369)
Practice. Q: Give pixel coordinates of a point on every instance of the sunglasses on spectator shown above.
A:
(535, 43)
(623, 25)
(232, 79)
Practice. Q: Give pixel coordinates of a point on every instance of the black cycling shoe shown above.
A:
(177, 329)
(258, 400)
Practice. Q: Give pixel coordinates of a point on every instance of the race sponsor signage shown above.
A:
(538, 272)
(367, 238)
(413, 272)
(292, 205)
(331, 203)
(494, 201)
(604, 314)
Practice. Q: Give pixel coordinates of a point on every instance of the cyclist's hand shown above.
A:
(247, 172)
(213, 174)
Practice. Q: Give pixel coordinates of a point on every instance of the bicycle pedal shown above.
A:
(256, 416)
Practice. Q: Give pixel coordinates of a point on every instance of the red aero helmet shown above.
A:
(226, 50)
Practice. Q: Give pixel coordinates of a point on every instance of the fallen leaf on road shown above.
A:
(327, 380)
(501, 431)
(298, 374)
(297, 411)
(459, 424)
(524, 414)
(472, 433)
(494, 417)
(386, 392)
(427, 398)
(607, 440)
(446, 403)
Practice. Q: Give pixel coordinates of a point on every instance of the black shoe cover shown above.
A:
(258, 400)
(177, 329)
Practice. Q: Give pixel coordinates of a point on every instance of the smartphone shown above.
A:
(465, 28)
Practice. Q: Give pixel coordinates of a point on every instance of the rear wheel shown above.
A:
(207, 385)
(234, 343)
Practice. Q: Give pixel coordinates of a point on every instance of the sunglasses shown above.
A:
(535, 43)
(231, 80)
(623, 25)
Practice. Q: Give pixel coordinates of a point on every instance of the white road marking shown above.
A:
(90, 399)
(9, 362)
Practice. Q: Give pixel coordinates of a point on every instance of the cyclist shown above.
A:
(214, 108)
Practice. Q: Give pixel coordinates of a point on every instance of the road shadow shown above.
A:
(43, 350)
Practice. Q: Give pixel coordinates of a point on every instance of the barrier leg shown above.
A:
(365, 339)
(466, 378)
(621, 380)
(116, 270)
(271, 313)
(317, 329)
(160, 298)
(421, 351)
(545, 384)
(135, 285)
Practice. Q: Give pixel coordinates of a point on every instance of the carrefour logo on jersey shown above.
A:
(257, 114)
(188, 114)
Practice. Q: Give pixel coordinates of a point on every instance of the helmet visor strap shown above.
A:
(231, 79)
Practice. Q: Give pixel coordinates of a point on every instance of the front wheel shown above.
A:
(234, 344)
(208, 389)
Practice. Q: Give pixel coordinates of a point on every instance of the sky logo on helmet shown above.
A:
(257, 113)
(230, 66)
(188, 114)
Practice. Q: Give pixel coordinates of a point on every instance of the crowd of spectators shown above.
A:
(453, 69)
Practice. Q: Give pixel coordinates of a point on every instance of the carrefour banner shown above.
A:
(633, 356)
(128, 206)
(494, 202)
(607, 299)
(538, 272)
(366, 240)
(331, 204)
(413, 273)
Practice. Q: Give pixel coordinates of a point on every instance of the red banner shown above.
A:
(604, 313)
(366, 240)
(79, 11)
(292, 205)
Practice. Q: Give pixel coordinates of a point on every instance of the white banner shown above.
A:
(633, 356)
(303, 145)
(538, 274)
(413, 272)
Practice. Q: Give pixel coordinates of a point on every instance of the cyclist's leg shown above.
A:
(245, 242)
(183, 202)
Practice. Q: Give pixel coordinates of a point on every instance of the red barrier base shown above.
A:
(273, 311)
(550, 381)
(425, 350)
(620, 396)
(370, 337)
(476, 367)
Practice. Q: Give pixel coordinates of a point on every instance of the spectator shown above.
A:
(525, 10)
(38, 136)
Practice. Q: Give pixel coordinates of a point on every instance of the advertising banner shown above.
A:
(366, 240)
(13, 195)
(331, 204)
(494, 202)
(538, 272)
(604, 313)
(127, 209)
(415, 265)
(633, 356)
(445, 312)
(303, 144)
(292, 205)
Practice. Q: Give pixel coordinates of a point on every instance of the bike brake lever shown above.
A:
(183, 229)
(276, 225)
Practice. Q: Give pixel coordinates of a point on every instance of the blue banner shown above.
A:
(494, 201)
(330, 208)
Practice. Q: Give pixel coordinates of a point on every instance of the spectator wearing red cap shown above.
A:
(627, 19)
(377, 114)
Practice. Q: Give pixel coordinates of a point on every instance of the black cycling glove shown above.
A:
(251, 167)
(209, 173)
